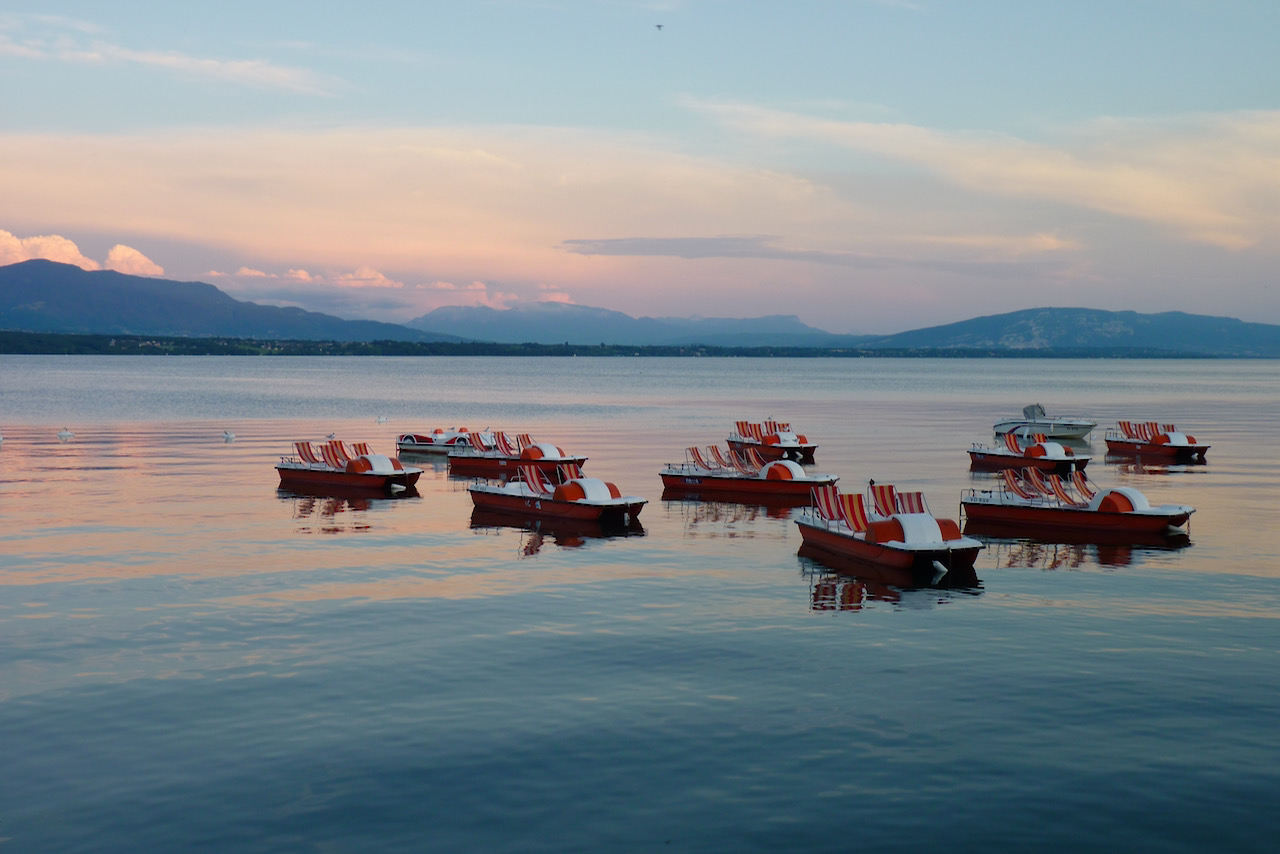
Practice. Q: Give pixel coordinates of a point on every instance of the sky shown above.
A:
(869, 166)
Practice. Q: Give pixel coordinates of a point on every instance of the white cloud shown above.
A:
(15, 21)
(126, 259)
(54, 247)
(255, 73)
(50, 247)
(57, 38)
(1213, 179)
(485, 216)
(22, 51)
(463, 204)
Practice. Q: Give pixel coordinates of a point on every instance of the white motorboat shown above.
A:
(1034, 420)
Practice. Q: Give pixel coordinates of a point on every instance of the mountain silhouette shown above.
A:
(46, 296)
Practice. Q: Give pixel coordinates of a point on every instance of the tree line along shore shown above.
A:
(49, 343)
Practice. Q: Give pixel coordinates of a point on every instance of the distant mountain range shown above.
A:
(45, 296)
(561, 323)
(1077, 329)
(1048, 329)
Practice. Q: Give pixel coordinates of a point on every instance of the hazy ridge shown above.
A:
(48, 297)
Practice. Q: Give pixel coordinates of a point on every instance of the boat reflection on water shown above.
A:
(1066, 550)
(900, 578)
(829, 592)
(365, 498)
(836, 591)
(433, 462)
(711, 519)
(566, 533)
(773, 506)
(327, 506)
(1152, 465)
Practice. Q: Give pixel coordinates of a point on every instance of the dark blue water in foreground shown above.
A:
(193, 660)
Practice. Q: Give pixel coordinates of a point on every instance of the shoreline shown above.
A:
(56, 344)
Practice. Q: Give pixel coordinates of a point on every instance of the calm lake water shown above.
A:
(192, 659)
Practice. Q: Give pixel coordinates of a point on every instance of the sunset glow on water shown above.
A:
(195, 658)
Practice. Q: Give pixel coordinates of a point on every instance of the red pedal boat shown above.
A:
(502, 456)
(1040, 453)
(438, 441)
(772, 440)
(576, 497)
(1149, 439)
(1047, 506)
(720, 473)
(896, 532)
(337, 466)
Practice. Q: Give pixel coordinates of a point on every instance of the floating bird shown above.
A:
(228, 436)
(382, 419)
(332, 436)
(64, 434)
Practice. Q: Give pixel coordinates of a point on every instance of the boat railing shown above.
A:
(993, 495)
(294, 462)
(695, 460)
(817, 520)
(469, 451)
(1036, 499)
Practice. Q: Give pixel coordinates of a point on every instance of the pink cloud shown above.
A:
(498, 299)
(452, 286)
(366, 277)
(474, 293)
(553, 293)
(251, 273)
(361, 277)
(57, 38)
